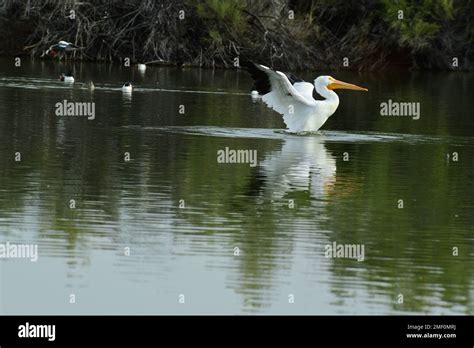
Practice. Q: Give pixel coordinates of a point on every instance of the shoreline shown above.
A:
(290, 35)
(186, 65)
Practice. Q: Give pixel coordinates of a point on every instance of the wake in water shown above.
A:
(324, 135)
(304, 133)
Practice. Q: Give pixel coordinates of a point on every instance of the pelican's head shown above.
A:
(329, 82)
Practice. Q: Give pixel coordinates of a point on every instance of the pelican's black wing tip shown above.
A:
(292, 78)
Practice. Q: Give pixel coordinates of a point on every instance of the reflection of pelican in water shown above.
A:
(302, 164)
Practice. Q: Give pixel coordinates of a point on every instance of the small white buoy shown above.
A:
(255, 96)
(127, 87)
(141, 67)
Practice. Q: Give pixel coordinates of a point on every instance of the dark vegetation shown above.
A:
(292, 34)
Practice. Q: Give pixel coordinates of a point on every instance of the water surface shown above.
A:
(182, 214)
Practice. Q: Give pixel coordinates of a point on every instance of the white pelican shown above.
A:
(127, 87)
(293, 98)
(141, 67)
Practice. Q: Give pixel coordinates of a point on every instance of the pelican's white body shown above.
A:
(301, 112)
(141, 67)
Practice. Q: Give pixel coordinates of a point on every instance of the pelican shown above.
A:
(127, 87)
(141, 67)
(293, 97)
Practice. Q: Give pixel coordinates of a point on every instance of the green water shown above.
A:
(182, 214)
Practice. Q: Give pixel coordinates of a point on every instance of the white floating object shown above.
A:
(69, 79)
(141, 67)
(255, 96)
(127, 87)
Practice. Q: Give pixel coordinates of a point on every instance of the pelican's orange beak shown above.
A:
(335, 84)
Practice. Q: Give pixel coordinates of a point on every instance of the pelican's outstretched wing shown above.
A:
(284, 93)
